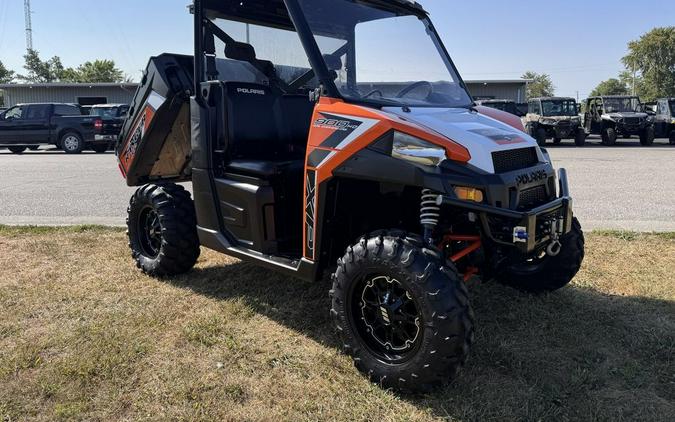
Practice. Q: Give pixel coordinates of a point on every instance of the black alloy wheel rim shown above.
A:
(150, 231)
(387, 318)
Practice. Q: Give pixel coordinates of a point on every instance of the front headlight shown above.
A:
(418, 151)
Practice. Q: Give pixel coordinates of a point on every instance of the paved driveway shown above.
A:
(625, 187)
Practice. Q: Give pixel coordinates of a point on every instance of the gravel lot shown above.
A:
(625, 187)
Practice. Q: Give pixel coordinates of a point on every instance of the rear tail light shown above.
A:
(98, 125)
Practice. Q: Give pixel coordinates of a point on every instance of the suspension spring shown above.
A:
(430, 213)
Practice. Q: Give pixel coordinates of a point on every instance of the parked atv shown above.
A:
(611, 116)
(664, 121)
(401, 190)
(555, 118)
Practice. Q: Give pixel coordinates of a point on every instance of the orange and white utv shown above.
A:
(336, 137)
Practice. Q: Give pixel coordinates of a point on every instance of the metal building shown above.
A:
(108, 93)
(83, 94)
(508, 89)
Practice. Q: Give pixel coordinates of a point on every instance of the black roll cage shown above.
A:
(269, 13)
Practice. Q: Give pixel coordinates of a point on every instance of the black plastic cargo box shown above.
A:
(154, 143)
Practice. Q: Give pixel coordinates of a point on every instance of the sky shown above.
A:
(578, 42)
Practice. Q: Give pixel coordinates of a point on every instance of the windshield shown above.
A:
(621, 105)
(375, 55)
(559, 107)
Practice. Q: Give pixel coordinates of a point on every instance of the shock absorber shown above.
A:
(430, 213)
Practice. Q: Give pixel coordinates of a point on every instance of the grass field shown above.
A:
(85, 336)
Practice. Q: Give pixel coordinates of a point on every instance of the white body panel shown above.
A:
(479, 134)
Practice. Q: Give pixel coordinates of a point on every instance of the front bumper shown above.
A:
(528, 231)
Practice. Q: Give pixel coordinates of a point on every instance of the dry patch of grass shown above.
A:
(85, 336)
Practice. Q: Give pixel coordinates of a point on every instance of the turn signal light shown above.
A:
(469, 194)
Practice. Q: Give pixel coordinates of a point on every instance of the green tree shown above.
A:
(40, 71)
(100, 71)
(611, 86)
(541, 85)
(653, 58)
(633, 81)
(6, 75)
(52, 70)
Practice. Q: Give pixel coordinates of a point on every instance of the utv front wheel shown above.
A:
(608, 137)
(540, 136)
(647, 136)
(548, 273)
(162, 230)
(580, 137)
(403, 314)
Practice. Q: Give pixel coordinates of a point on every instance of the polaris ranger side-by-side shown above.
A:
(344, 156)
(611, 116)
(555, 118)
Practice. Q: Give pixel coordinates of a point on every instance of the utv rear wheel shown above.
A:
(580, 137)
(647, 136)
(548, 273)
(540, 136)
(17, 150)
(162, 230)
(403, 314)
(609, 137)
(71, 143)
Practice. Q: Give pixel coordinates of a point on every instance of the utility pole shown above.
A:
(29, 25)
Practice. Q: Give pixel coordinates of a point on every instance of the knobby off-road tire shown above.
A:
(162, 230)
(549, 273)
(608, 137)
(425, 286)
(647, 137)
(580, 137)
(540, 136)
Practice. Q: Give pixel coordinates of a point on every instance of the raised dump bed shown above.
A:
(154, 143)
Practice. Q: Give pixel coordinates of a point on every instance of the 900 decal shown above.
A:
(343, 125)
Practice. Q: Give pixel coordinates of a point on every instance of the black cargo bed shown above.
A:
(154, 143)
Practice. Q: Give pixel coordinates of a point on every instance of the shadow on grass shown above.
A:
(575, 354)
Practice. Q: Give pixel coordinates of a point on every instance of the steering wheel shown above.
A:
(373, 92)
(410, 88)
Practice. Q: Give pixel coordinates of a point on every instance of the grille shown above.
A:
(532, 198)
(514, 159)
(631, 120)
